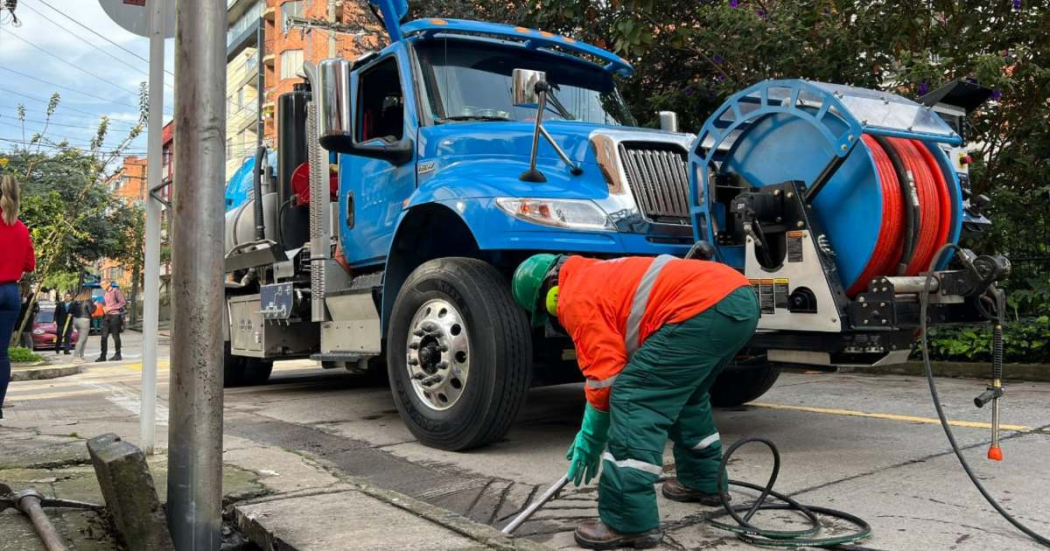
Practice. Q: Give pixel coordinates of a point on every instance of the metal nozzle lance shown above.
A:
(994, 452)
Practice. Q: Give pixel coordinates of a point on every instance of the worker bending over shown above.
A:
(651, 335)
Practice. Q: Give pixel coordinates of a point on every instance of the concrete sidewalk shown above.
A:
(277, 499)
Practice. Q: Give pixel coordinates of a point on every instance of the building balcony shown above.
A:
(270, 13)
(248, 77)
(240, 120)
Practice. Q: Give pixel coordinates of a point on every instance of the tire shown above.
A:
(490, 354)
(241, 371)
(739, 384)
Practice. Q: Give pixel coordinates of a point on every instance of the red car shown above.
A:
(45, 330)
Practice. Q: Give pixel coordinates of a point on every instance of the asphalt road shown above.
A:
(868, 445)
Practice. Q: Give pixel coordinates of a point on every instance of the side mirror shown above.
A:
(335, 122)
(530, 90)
(524, 92)
(397, 153)
(331, 93)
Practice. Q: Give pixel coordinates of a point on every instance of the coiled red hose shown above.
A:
(887, 251)
(934, 207)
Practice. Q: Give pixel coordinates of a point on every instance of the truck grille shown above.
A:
(658, 179)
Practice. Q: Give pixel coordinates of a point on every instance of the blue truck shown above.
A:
(439, 163)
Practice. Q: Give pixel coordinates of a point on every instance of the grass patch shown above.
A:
(21, 355)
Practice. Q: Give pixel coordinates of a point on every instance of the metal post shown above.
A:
(260, 92)
(151, 288)
(333, 19)
(195, 436)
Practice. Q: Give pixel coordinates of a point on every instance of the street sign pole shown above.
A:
(196, 400)
(150, 306)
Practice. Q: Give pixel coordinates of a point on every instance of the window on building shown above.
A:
(294, 8)
(291, 62)
(382, 111)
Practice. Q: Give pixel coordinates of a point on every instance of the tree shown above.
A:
(71, 215)
(690, 56)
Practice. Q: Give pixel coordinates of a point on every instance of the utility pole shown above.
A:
(151, 288)
(195, 428)
(332, 19)
(260, 53)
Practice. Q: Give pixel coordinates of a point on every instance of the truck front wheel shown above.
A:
(741, 383)
(459, 356)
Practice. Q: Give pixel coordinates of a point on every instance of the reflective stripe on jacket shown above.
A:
(609, 307)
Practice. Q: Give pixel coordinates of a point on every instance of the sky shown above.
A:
(93, 76)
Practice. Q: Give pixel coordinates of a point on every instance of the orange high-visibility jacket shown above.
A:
(609, 307)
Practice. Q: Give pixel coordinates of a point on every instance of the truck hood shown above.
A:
(486, 159)
(454, 142)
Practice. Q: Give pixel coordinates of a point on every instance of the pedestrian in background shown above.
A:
(63, 323)
(16, 259)
(81, 312)
(27, 312)
(112, 304)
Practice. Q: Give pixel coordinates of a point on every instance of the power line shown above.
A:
(49, 137)
(77, 67)
(94, 119)
(52, 123)
(31, 77)
(26, 145)
(48, 101)
(94, 32)
(89, 43)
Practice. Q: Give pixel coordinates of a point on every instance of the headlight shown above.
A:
(38, 331)
(576, 214)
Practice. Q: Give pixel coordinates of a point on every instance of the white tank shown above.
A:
(240, 222)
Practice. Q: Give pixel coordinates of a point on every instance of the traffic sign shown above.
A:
(133, 15)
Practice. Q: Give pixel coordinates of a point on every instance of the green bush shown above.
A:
(23, 355)
(1026, 340)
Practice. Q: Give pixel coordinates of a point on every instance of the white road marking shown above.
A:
(126, 399)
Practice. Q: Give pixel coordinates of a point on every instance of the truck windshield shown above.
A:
(468, 80)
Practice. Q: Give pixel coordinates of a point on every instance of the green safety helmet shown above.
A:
(528, 282)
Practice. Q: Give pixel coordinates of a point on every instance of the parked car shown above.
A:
(45, 330)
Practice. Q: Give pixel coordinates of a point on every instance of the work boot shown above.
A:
(675, 491)
(116, 357)
(597, 535)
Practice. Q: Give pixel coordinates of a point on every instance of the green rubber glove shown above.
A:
(586, 451)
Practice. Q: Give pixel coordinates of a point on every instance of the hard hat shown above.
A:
(527, 283)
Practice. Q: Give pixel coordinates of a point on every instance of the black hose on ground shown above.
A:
(780, 538)
(924, 300)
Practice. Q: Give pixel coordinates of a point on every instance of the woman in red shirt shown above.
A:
(16, 258)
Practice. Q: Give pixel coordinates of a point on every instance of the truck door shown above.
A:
(372, 190)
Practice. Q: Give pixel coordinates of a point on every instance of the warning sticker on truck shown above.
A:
(780, 293)
(764, 290)
(794, 245)
(772, 294)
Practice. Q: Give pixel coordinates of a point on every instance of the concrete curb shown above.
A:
(48, 372)
(486, 536)
(965, 370)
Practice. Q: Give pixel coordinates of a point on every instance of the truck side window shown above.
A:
(382, 105)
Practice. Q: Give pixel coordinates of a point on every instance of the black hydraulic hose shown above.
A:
(924, 300)
(910, 201)
(780, 538)
(257, 173)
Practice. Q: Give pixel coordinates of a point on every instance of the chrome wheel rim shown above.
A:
(438, 354)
